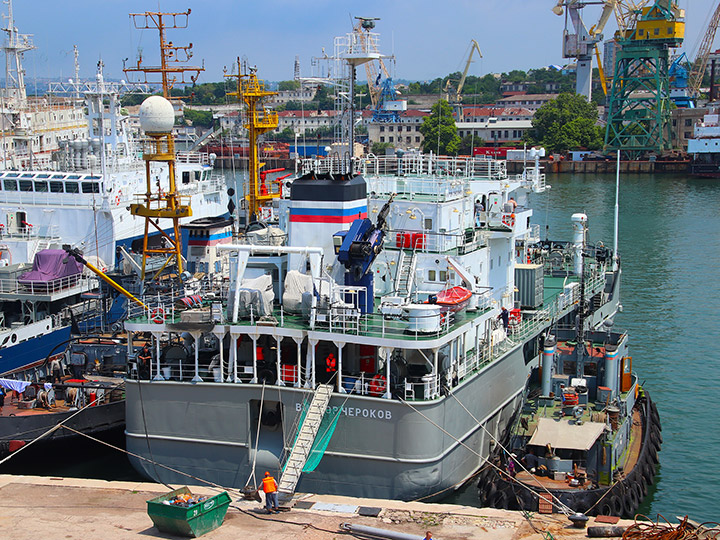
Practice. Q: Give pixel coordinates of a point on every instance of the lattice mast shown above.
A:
(368, 41)
(160, 148)
(15, 46)
(258, 120)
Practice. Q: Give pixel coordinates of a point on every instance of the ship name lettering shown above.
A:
(354, 412)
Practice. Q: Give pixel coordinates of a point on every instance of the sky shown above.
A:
(428, 39)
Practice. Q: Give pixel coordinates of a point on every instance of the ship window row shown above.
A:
(42, 186)
(50, 176)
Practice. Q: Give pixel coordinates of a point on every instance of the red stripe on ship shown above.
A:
(327, 219)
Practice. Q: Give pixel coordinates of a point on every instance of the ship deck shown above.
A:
(14, 407)
(556, 304)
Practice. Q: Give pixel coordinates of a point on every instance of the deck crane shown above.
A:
(698, 70)
(456, 97)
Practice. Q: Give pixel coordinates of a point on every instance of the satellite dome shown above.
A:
(156, 115)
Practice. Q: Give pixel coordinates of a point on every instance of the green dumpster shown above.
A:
(192, 521)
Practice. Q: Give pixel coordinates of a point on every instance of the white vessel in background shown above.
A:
(83, 201)
(32, 128)
(704, 147)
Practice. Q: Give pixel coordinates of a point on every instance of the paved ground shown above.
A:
(36, 508)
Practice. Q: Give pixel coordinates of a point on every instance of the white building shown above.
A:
(527, 101)
(403, 134)
(495, 124)
(284, 96)
(302, 121)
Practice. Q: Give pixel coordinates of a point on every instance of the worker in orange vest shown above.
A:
(270, 488)
(330, 363)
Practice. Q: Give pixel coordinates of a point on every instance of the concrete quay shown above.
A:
(68, 508)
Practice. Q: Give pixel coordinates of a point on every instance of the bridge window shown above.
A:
(10, 185)
(26, 185)
(56, 187)
(90, 187)
(41, 187)
(71, 187)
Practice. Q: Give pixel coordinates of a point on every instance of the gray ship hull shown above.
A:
(381, 448)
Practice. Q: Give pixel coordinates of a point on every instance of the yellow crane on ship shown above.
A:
(258, 120)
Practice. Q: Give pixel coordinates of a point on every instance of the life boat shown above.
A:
(452, 299)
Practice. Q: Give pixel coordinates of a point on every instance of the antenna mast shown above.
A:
(15, 46)
(160, 148)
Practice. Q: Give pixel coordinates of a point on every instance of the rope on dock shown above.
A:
(645, 529)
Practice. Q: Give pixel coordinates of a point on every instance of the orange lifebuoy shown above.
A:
(157, 315)
(377, 385)
(509, 221)
(118, 197)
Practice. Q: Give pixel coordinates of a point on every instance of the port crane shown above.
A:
(456, 96)
(639, 101)
(698, 69)
(583, 43)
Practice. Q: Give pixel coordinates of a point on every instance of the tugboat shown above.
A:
(587, 439)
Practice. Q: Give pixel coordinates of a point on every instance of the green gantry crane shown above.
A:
(639, 100)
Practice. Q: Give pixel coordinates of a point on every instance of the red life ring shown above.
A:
(377, 385)
(157, 315)
(509, 221)
(118, 197)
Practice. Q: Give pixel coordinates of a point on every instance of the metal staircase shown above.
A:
(405, 277)
(307, 433)
(40, 245)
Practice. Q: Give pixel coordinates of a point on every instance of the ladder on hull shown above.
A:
(307, 433)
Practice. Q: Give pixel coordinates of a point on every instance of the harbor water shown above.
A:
(669, 243)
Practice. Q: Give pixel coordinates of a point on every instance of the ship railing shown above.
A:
(472, 362)
(594, 283)
(533, 234)
(424, 388)
(426, 241)
(529, 175)
(47, 198)
(420, 327)
(45, 232)
(53, 286)
(193, 158)
(416, 187)
(445, 167)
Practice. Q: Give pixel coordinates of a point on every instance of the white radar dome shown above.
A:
(156, 115)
